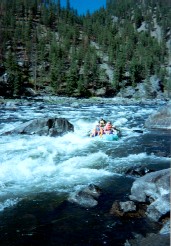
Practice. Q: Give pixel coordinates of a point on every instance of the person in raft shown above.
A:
(109, 128)
(99, 128)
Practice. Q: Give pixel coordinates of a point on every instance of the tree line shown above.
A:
(44, 45)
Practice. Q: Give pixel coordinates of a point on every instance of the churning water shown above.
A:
(38, 174)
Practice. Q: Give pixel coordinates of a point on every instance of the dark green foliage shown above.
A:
(80, 86)
(15, 75)
(138, 17)
(56, 44)
(71, 79)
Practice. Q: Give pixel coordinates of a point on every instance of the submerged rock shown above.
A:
(138, 171)
(86, 197)
(83, 199)
(150, 240)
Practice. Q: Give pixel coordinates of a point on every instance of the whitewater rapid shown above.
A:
(34, 164)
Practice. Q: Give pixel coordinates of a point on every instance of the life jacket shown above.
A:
(108, 127)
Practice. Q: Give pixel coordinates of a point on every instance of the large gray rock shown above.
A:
(86, 197)
(127, 206)
(161, 119)
(154, 188)
(150, 240)
(144, 89)
(44, 127)
(166, 228)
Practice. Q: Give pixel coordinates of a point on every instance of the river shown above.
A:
(39, 174)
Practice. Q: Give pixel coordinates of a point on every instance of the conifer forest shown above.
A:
(52, 49)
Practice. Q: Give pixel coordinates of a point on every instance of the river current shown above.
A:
(39, 174)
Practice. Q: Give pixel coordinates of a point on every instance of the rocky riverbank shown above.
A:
(75, 102)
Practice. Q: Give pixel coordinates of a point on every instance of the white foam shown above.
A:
(119, 165)
(34, 164)
(9, 127)
(121, 121)
(8, 203)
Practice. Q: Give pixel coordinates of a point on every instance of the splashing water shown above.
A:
(33, 164)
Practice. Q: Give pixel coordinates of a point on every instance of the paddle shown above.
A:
(137, 130)
(133, 130)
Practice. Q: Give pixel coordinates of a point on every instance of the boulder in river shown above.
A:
(153, 188)
(86, 197)
(138, 171)
(161, 119)
(124, 209)
(44, 127)
(166, 228)
(128, 209)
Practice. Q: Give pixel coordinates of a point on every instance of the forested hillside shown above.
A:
(46, 48)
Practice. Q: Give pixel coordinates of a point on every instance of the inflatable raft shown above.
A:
(107, 137)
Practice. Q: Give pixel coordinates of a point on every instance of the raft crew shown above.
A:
(99, 128)
(109, 128)
(103, 128)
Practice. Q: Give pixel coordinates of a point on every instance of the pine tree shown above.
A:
(80, 86)
(15, 74)
(58, 8)
(72, 78)
(56, 76)
(133, 69)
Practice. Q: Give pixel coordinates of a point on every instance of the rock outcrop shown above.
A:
(148, 90)
(153, 188)
(150, 196)
(161, 119)
(44, 127)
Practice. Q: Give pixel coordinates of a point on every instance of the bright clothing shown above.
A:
(109, 129)
(98, 130)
